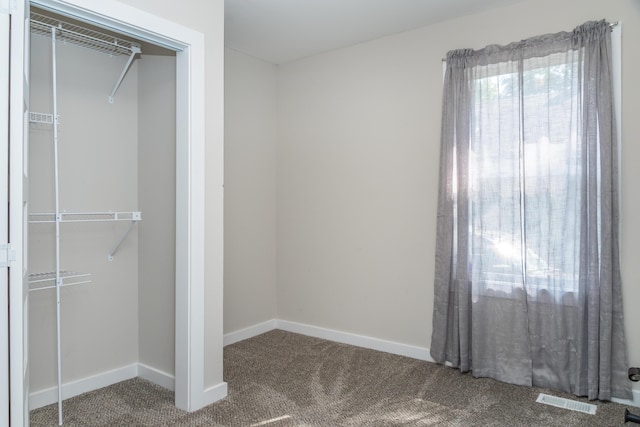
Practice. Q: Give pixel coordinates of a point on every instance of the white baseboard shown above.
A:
(415, 352)
(420, 353)
(635, 402)
(250, 332)
(48, 396)
(157, 376)
(214, 394)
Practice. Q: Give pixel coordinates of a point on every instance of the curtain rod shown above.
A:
(611, 25)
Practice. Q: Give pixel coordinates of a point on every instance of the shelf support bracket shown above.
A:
(134, 51)
(136, 217)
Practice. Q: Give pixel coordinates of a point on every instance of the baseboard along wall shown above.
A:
(157, 376)
(48, 396)
(45, 397)
(415, 352)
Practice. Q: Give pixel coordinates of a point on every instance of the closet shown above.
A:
(102, 216)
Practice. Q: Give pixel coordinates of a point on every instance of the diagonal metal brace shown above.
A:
(136, 217)
(134, 51)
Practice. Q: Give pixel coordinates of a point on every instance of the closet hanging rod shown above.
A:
(85, 37)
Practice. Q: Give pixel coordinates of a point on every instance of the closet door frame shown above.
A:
(4, 215)
(190, 347)
(18, 102)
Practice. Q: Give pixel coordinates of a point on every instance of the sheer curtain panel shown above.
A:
(527, 278)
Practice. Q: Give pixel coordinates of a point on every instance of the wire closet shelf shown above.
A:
(50, 217)
(85, 37)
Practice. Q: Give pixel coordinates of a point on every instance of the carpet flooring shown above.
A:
(281, 379)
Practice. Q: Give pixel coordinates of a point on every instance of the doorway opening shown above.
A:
(188, 46)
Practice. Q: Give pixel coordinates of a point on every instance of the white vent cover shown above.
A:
(572, 405)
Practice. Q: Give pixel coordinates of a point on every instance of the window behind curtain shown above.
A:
(524, 166)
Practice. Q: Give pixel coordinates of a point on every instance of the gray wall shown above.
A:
(357, 180)
(98, 172)
(157, 201)
(250, 191)
(358, 147)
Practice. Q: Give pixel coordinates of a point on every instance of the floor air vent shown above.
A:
(572, 405)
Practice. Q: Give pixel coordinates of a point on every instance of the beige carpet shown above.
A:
(282, 379)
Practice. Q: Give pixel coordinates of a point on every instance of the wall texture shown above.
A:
(98, 172)
(250, 191)
(358, 146)
(157, 201)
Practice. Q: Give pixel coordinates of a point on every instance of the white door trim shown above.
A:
(4, 219)
(18, 292)
(190, 172)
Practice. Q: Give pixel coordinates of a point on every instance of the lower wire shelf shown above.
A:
(41, 281)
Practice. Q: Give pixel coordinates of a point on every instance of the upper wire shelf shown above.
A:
(85, 37)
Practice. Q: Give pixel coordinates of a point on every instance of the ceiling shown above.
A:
(279, 31)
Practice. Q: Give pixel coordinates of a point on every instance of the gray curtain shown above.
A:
(527, 280)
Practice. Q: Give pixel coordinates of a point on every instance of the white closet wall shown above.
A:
(157, 189)
(98, 155)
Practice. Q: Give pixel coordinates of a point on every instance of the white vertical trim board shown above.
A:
(5, 34)
(18, 174)
(189, 350)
